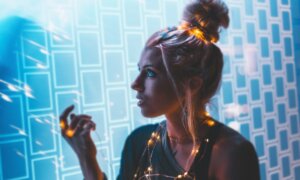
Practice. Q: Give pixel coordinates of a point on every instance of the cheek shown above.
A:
(163, 96)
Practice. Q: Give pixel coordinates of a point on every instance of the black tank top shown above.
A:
(158, 163)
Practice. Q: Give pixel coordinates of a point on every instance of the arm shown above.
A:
(235, 160)
(77, 134)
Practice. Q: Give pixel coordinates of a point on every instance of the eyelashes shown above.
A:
(150, 73)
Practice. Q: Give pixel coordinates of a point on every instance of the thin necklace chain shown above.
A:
(149, 149)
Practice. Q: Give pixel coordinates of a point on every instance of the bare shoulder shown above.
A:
(233, 156)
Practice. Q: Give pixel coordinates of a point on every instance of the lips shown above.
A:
(140, 100)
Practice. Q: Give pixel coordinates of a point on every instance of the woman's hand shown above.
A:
(78, 132)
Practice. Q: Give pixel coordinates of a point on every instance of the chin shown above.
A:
(149, 114)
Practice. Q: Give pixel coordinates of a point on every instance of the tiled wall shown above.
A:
(85, 53)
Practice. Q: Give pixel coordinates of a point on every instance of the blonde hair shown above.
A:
(188, 50)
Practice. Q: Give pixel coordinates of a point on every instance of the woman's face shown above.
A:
(154, 90)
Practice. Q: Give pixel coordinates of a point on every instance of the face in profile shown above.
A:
(154, 90)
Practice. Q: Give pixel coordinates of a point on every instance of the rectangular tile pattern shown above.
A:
(86, 52)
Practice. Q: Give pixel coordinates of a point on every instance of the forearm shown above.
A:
(91, 169)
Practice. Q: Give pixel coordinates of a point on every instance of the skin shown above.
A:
(232, 156)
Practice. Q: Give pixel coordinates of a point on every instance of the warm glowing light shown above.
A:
(150, 142)
(62, 124)
(179, 176)
(70, 133)
(210, 123)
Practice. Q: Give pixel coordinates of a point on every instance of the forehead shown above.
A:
(151, 56)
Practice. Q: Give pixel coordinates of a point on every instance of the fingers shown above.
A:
(63, 117)
(87, 128)
(75, 119)
(78, 124)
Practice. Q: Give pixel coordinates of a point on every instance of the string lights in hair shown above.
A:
(197, 30)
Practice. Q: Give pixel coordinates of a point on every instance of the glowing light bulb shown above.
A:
(70, 133)
(150, 142)
(62, 124)
(210, 123)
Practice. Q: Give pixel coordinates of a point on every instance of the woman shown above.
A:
(180, 70)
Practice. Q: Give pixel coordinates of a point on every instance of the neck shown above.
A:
(175, 127)
(176, 130)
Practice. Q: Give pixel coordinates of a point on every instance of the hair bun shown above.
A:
(208, 15)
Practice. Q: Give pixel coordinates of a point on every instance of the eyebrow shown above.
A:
(145, 66)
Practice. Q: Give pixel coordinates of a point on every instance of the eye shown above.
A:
(150, 73)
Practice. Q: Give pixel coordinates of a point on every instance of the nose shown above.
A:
(137, 84)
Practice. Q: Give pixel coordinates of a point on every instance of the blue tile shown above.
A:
(294, 124)
(14, 160)
(286, 21)
(61, 60)
(259, 145)
(292, 98)
(238, 47)
(41, 136)
(267, 78)
(275, 176)
(13, 113)
(151, 5)
(224, 36)
(264, 46)
(88, 55)
(290, 72)
(134, 45)
(285, 2)
(255, 89)
(132, 13)
(227, 92)
(40, 83)
(118, 139)
(40, 165)
(112, 30)
(87, 13)
(262, 15)
(249, 7)
(274, 8)
(257, 117)
(242, 99)
(287, 47)
(297, 172)
(273, 156)
(114, 74)
(33, 42)
(275, 33)
(283, 140)
(92, 96)
(279, 87)
(226, 68)
(281, 113)
(271, 131)
(262, 171)
(110, 3)
(118, 109)
(236, 18)
(269, 102)
(251, 38)
(172, 11)
(240, 77)
(286, 166)
(245, 130)
(296, 150)
(277, 60)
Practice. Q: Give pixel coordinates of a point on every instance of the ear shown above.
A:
(195, 84)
